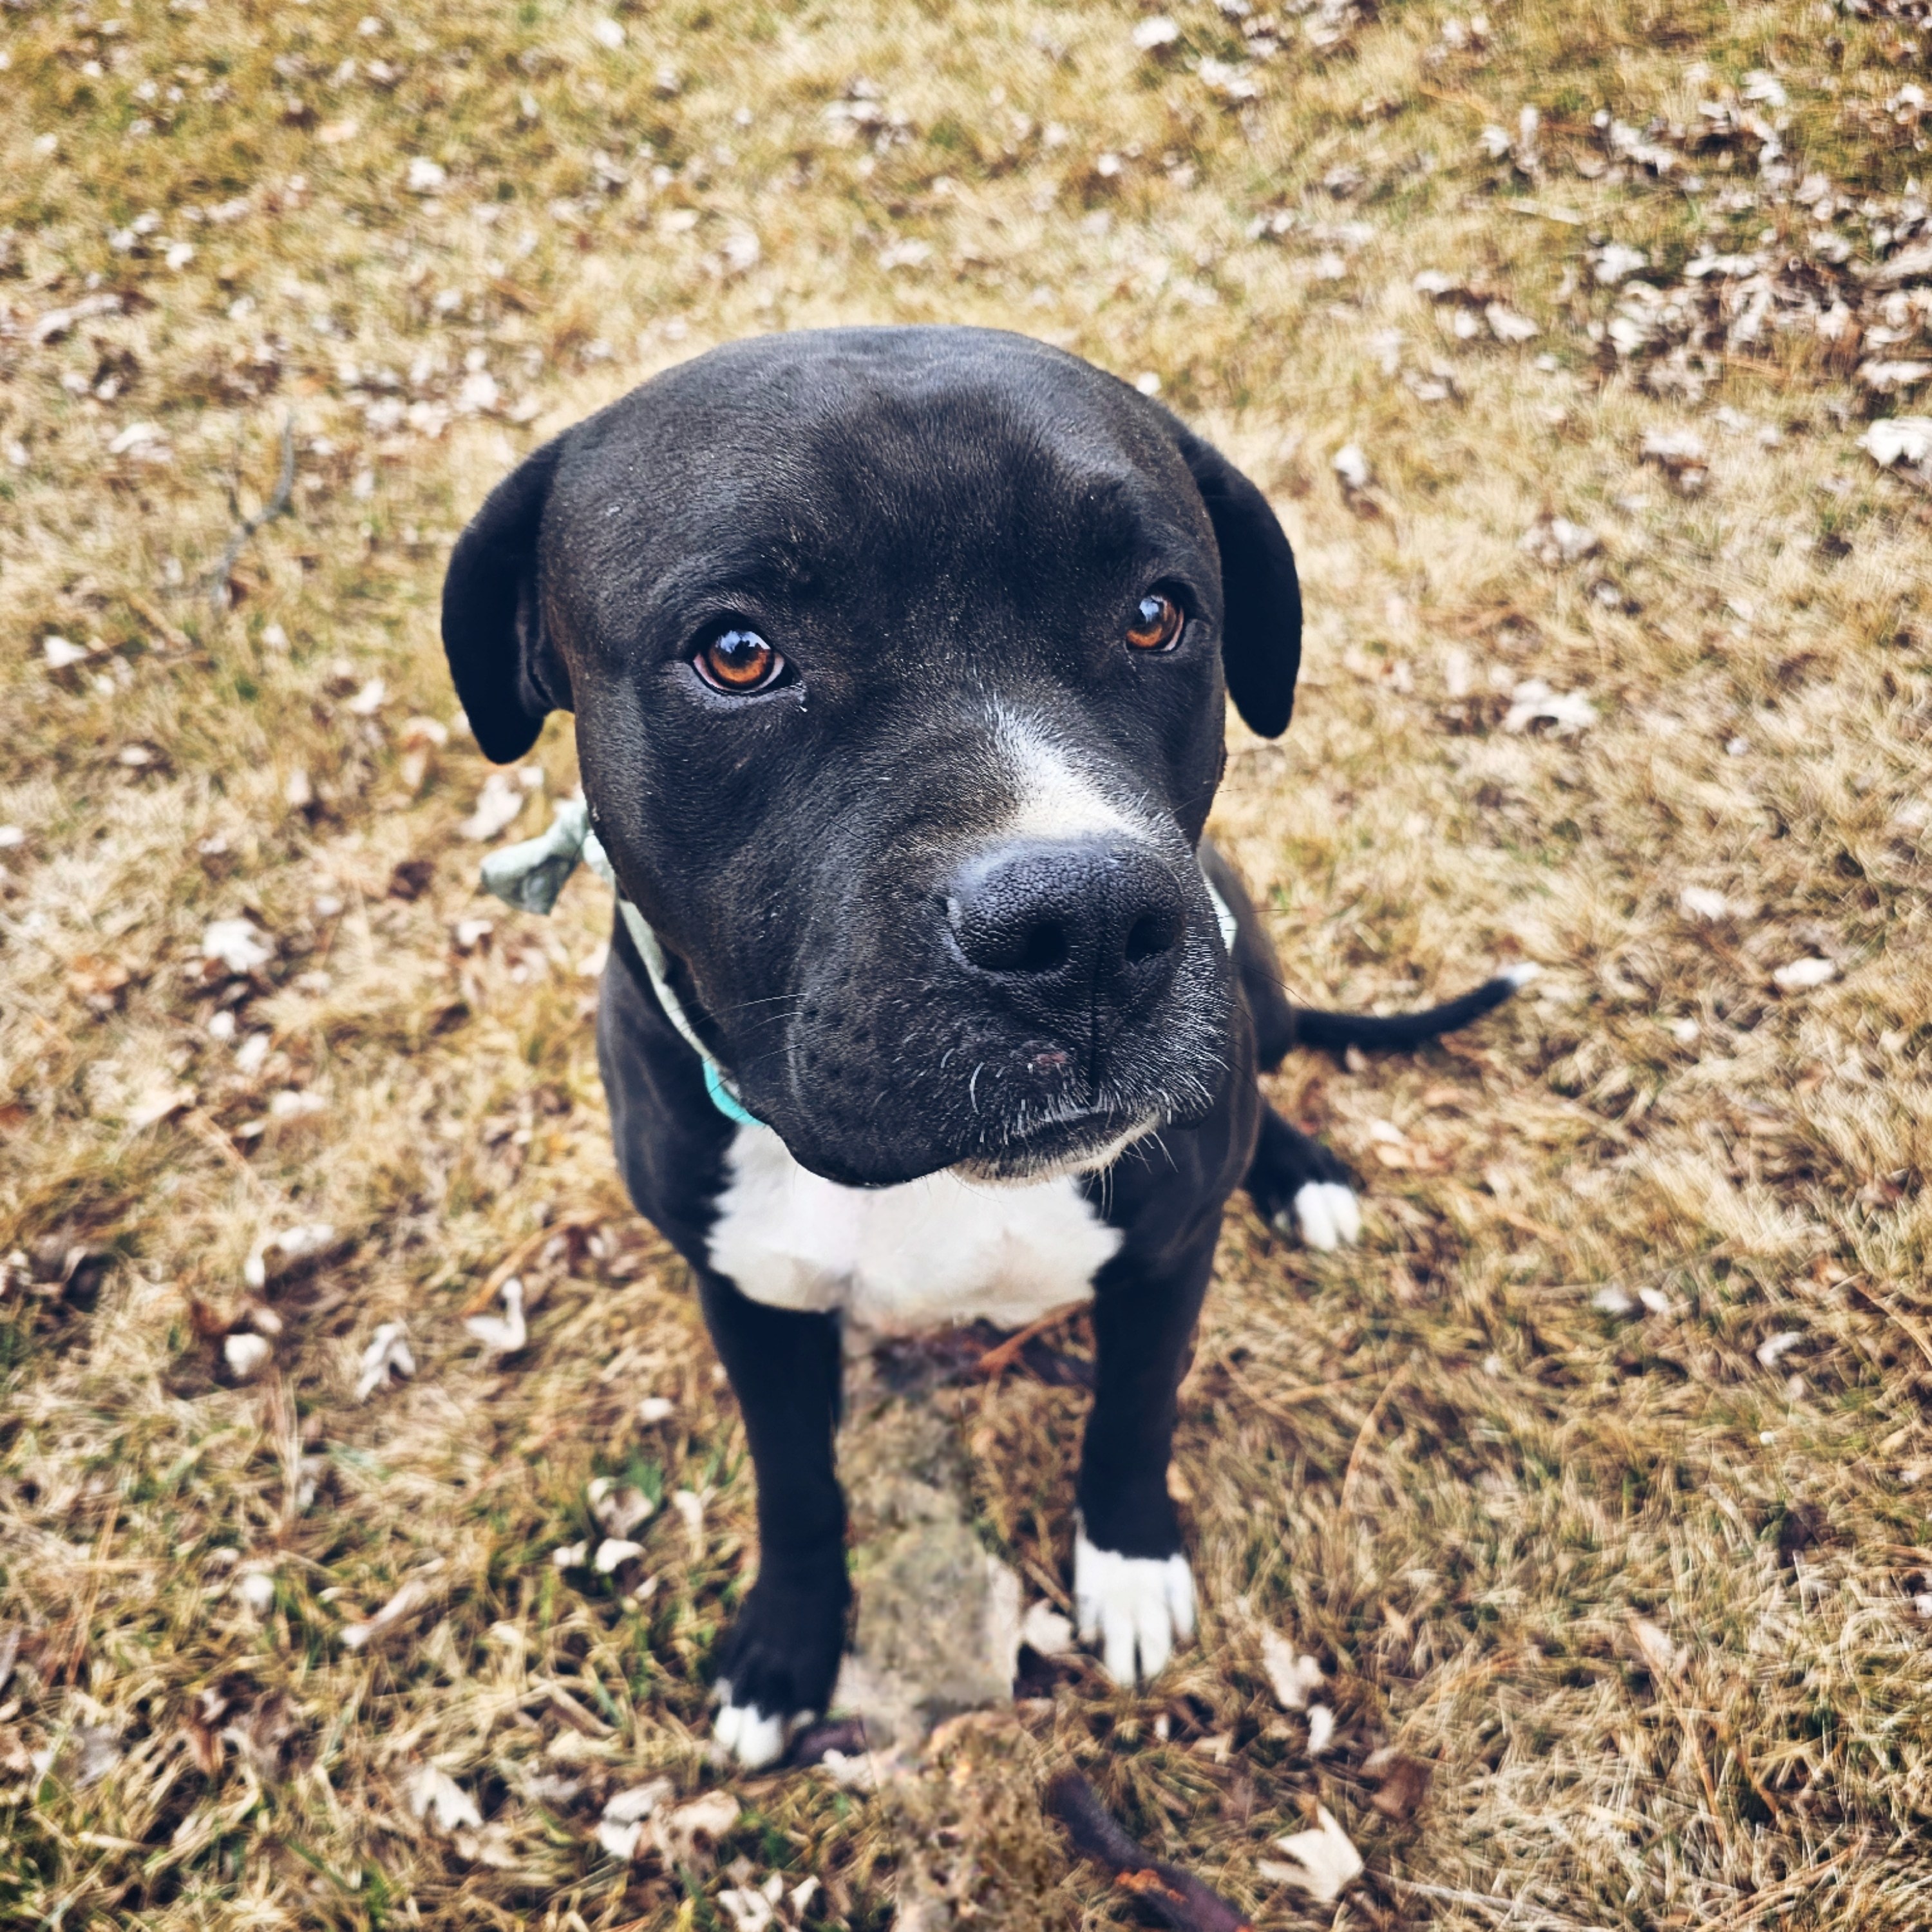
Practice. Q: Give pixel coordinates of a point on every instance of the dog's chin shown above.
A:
(1083, 1146)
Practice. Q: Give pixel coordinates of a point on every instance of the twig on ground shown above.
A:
(200, 1122)
(1169, 1895)
(1505, 1909)
(1898, 1317)
(1742, 1913)
(999, 1358)
(277, 505)
(70, 1653)
(171, 634)
(1274, 1400)
(1352, 1473)
(518, 1257)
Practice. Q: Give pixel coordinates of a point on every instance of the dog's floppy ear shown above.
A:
(507, 674)
(1261, 638)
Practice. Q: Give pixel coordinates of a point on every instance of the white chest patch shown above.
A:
(899, 1260)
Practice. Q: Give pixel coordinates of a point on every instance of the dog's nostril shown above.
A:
(1156, 933)
(1065, 923)
(1043, 949)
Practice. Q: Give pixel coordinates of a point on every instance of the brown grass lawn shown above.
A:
(1597, 1479)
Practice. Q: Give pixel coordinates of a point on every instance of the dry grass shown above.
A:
(1540, 1433)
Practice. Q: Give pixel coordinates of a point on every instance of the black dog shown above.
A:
(898, 658)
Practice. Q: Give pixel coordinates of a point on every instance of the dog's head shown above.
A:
(899, 659)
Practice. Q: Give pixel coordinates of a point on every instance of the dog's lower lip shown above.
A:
(1066, 1135)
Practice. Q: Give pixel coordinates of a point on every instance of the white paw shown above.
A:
(1132, 1604)
(1327, 1215)
(753, 1738)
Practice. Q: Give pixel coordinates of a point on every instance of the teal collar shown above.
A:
(530, 876)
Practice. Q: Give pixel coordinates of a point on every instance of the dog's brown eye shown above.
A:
(739, 661)
(1156, 624)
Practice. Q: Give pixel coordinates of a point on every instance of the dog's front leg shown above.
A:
(781, 1656)
(1133, 1591)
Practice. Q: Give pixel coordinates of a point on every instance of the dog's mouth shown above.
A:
(1065, 1143)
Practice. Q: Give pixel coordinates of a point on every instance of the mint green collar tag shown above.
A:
(530, 875)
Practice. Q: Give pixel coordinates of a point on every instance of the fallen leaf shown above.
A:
(99, 981)
(1231, 80)
(1350, 467)
(504, 1334)
(497, 806)
(138, 438)
(639, 1800)
(1883, 379)
(237, 944)
(1043, 1629)
(1909, 264)
(1290, 1677)
(752, 1911)
(1533, 702)
(1325, 1859)
(1555, 541)
(1506, 326)
(435, 1794)
(1906, 440)
(855, 1771)
(1661, 1657)
(690, 1507)
(1680, 455)
(491, 1846)
(707, 1818)
(256, 1587)
(406, 1601)
(388, 1350)
(100, 1751)
(1615, 262)
(275, 1253)
(1402, 1783)
(619, 1508)
(1801, 975)
(622, 1825)
(246, 1355)
(1701, 902)
(1320, 1729)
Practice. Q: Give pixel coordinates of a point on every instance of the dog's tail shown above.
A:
(1280, 1026)
(1400, 1032)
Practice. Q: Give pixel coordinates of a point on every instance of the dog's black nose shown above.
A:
(1065, 928)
